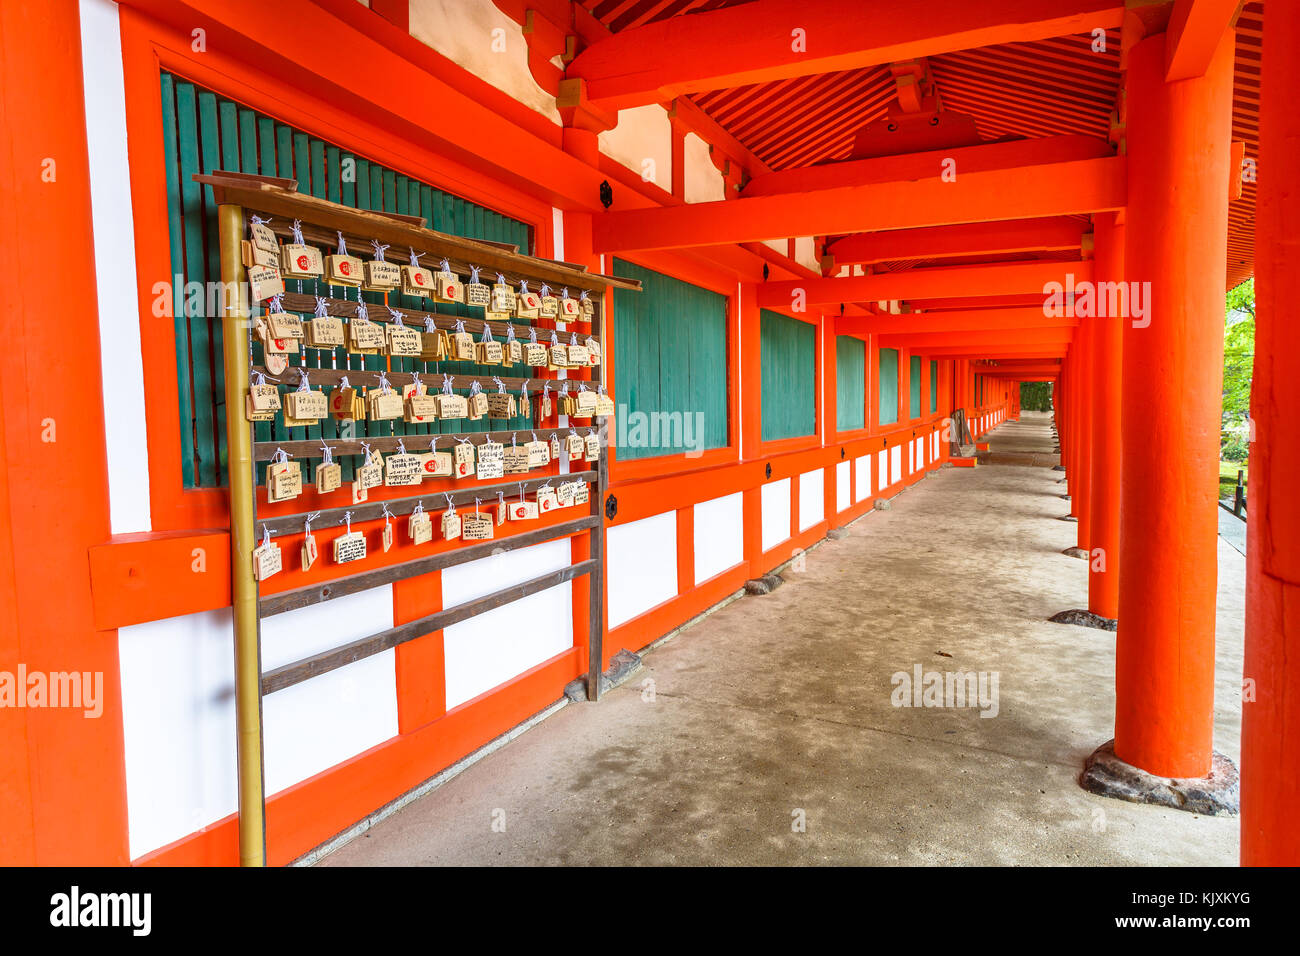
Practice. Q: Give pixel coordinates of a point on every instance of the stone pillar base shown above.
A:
(1215, 795)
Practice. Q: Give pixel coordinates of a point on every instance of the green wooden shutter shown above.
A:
(888, 386)
(850, 382)
(934, 386)
(670, 365)
(914, 387)
(788, 353)
(203, 131)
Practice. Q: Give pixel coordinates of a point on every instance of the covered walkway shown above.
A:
(782, 703)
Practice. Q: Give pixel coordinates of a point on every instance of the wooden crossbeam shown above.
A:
(972, 320)
(778, 39)
(969, 239)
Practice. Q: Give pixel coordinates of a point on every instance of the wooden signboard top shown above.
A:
(279, 198)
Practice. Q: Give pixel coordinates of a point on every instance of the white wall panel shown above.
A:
(862, 477)
(492, 648)
(775, 497)
(882, 477)
(843, 485)
(178, 712)
(895, 464)
(641, 563)
(719, 535)
(812, 498)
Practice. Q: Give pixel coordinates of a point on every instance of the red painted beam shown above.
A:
(1041, 151)
(972, 320)
(1194, 31)
(967, 239)
(1013, 278)
(994, 337)
(1050, 189)
(778, 39)
(1001, 353)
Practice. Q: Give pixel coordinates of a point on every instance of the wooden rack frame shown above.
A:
(238, 196)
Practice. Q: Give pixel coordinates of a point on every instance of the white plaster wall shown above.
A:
(812, 498)
(178, 714)
(805, 253)
(895, 464)
(641, 566)
(843, 485)
(114, 241)
(920, 453)
(882, 478)
(464, 31)
(643, 142)
(703, 181)
(775, 499)
(911, 458)
(862, 476)
(719, 535)
(490, 649)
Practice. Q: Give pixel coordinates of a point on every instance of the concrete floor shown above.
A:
(778, 708)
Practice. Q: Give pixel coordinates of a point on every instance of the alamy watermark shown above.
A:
(83, 690)
(923, 688)
(1122, 300)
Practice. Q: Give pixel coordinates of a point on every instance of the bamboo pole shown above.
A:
(248, 655)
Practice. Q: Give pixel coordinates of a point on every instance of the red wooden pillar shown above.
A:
(1270, 746)
(1107, 358)
(1083, 491)
(1179, 140)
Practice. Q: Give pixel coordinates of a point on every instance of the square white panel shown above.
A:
(775, 498)
(862, 477)
(812, 498)
(641, 563)
(719, 535)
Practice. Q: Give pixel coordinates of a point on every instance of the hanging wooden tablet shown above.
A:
(363, 335)
(523, 510)
(282, 325)
(419, 526)
(309, 546)
(501, 404)
(546, 500)
(262, 395)
(387, 537)
(262, 236)
(574, 446)
(271, 345)
(264, 282)
(299, 260)
(451, 405)
(434, 344)
(463, 456)
(403, 469)
(343, 401)
(564, 494)
(568, 307)
(329, 475)
(489, 349)
(559, 354)
(544, 405)
(447, 285)
(371, 474)
(380, 275)
(477, 293)
(539, 453)
(585, 402)
(359, 491)
(513, 351)
(581, 492)
(593, 351)
(577, 355)
(502, 301)
(535, 354)
(478, 403)
(266, 558)
(420, 406)
(515, 459)
(257, 415)
(417, 280)
(385, 402)
(462, 344)
(593, 446)
(437, 464)
(305, 404)
(401, 339)
(604, 405)
(491, 460)
(476, 526)
(555, 447)
(524, 406)
(586, 308)
(528, 305)
(323, 331)
(450, 522)
(343, 269)
(550, 307)
(350, 546)
(283, 479)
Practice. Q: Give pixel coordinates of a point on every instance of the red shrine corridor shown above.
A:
(772, 706)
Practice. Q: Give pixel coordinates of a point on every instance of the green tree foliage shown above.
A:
(1238, 356)
(1036, 396)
